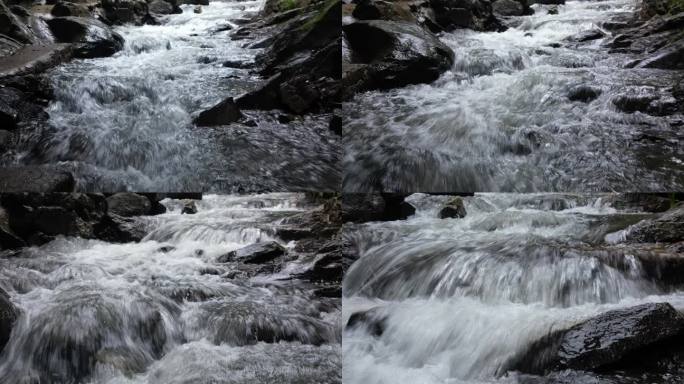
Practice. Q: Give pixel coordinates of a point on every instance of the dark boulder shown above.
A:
(161, 7)
(125, 11)
(8, 239)
(36, 178)
(583, 93)
(373, 320)
(666, 228)
(265, 97)
(223, 113)
(8, 315)
(548, 2)
(189, 208)
(602, 340)
(91, 37)
(508, 8)
(455, 14)
(119, 229)
(11, 26)
(254, 254)
(389, 54)
(359, 207)
(65, 8)
(669, 57)
(454, 208)
(128, 204)
(383, 10)
(584, 36)
(19, 105)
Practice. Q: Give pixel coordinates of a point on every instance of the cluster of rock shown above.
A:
(36, 218)
(300, 63)
(365, 207)
(655, 34)
(390, 44)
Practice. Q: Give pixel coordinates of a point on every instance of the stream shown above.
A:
(464, 296)
(125, 122)
(163, 311)
(501, 119)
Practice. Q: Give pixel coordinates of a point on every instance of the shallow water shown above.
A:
(125, 122)
(464, 296)
(501, 119)
(163, 311)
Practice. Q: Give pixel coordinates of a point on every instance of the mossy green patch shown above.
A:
(286, 5)
(320, 15)
(675, 6)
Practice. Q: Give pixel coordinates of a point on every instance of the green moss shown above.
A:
(675, 6)
(286, 5)
(321, 14)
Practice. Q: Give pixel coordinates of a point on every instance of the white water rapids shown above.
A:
(162, 311)
(125, 122)
(463, 296)
(501, 120)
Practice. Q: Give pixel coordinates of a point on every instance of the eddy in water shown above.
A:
(516, 289)
(226, 289)
(478, 96)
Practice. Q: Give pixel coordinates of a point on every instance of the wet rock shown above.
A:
(553, 11)
(639, 202)
(20, 11)
(36, 178)
(387, 54)
(224, 113)
(6, 140)
(8, 315)
(8, 239)
(33, 58)
(119, 229)
(264, 97)
(359, 207)
(553, 2)
(372, 320)
(454, 208)
(11, 26)
(127, 204)
(602, 340)
(91, 37)
(583, 93)
(65, 8)
(125, 11)
(161, 7)
(189, 208)
(336, 124)
(197, 9)
(235, 64)
(592, 34)
(298, 95)
(384, 10)
(255, 253)
(450, 15)
(507, 8)
(668, 227)
(668, 57)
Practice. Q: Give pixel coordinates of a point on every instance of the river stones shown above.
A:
(454, 208)
(583, 93)
(119, 229)
(666, 228)
(254, 254)
(602, 340)
(11, 26)
(8, 315)
(373, 320)
(66, 8)
(507, 8)
(223, 113)
(128, 204)
(389, 54)
(125, 11)
(36, 178)
(360, 207)
(92, 38)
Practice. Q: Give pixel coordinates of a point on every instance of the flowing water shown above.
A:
(462, 297)
(125, 122)
(501, 119)
(163, 311)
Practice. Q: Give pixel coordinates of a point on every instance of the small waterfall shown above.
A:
(459, 298)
